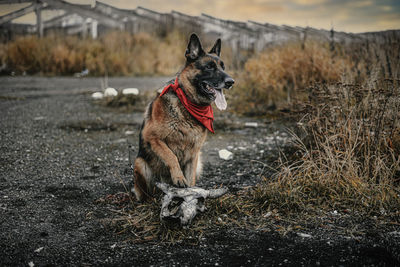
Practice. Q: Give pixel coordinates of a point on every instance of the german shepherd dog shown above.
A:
(171, 136)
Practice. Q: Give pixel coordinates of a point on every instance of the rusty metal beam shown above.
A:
(19, 13)
(8, 2)
(55, 21)
(39, 24)
(85, 12)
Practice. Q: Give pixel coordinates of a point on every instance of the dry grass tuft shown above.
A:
(116, 53)
(349, 142)
(141, 221)
(276, 75)
(349, 156)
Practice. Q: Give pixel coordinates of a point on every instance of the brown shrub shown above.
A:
(277, 74)
(349, 157)
(116, 53)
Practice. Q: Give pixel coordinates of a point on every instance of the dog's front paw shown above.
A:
(180, 181)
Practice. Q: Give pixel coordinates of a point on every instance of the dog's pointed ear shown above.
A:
(194, 49)
(216, 48)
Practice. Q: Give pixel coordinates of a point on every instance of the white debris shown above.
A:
(395, 233)
(39, 118)
(119, 141)
(225, 154)
(39, 249)
(129, 132)
(130, 91)
(110, 92)
(304, 235)
(113, 246)
(31, 264)
(97, 95)
(83, 73)
(268, 214)
(335, 213)
(251, 124)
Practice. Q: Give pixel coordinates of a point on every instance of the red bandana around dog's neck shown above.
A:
(204, 114)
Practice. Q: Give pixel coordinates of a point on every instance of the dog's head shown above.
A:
(204, 76)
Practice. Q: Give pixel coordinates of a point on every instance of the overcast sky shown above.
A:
(343, 15)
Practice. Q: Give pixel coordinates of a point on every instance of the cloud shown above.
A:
(309, 2)
(360, 4)
(386, 8)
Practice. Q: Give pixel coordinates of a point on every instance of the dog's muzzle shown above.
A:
(229, 82)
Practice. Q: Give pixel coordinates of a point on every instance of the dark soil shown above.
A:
(60, 153)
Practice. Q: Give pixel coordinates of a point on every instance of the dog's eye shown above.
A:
(210, 66)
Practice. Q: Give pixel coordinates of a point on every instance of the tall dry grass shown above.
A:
(350, 156)
(348, 143)
(116, 53)
(277, 74)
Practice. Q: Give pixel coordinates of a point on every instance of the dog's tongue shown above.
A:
(220, 101)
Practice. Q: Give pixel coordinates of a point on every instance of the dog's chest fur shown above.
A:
(168, 120)
(186, 135)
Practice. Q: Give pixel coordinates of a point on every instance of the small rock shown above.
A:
(110, 92)
(81, 74)
(130, 91)
(395, 233)
(129, 132)
(31, 264)
(119, 141)
(304, 235)
(268, 214)
(39, 249)
(97, 95)
(113, 246)
(225, 154)
(38, 118)
(251, 124)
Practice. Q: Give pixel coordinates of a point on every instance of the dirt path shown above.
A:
(59, 153)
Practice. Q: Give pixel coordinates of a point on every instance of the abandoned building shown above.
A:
(94, 20)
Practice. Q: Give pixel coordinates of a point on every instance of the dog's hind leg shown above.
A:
(143, 182)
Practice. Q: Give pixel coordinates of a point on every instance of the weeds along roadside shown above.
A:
(114, 54)
(348, 135)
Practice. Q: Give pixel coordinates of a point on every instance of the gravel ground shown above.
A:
(60, 152)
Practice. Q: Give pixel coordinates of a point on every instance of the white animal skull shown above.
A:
(182, 204)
